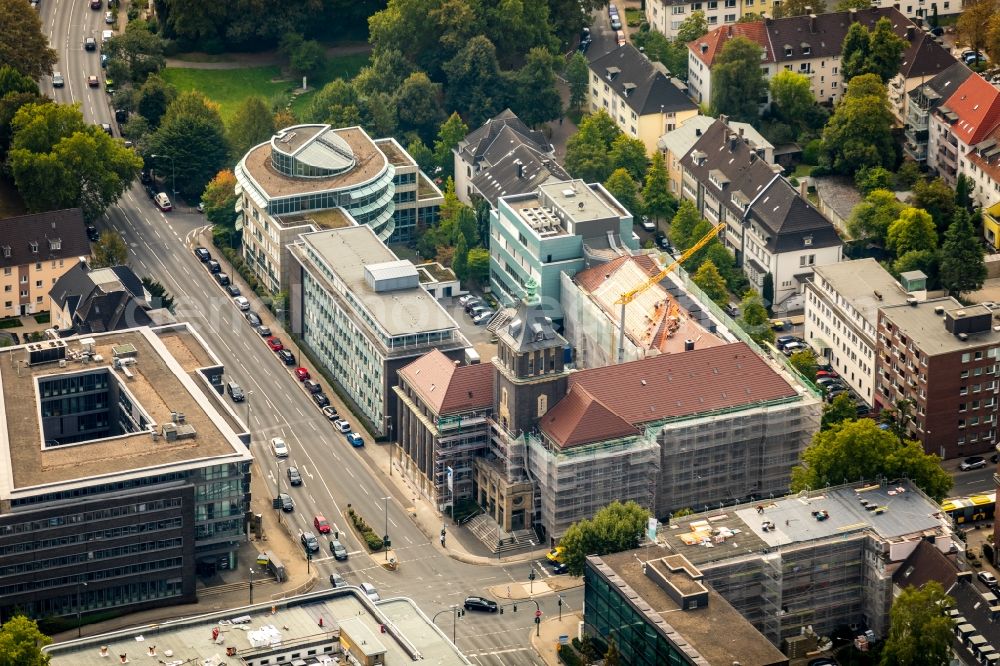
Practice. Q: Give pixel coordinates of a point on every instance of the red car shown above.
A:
(319, 522)
(826, 373)
(301, 374)
(275, 344)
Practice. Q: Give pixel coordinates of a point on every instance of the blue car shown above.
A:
(354, 439)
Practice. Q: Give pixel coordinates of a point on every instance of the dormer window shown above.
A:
(628, 88)
(806, 49)
(34, 247)
(6, 251)
(613, 72)
(55, 244)
(807, 241)
(788, 50)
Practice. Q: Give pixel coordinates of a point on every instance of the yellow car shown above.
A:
(555, 555)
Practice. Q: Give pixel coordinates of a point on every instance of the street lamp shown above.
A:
(252, 572)
(249, 428)
(388, 425)
(173, 171)
(79, 619)
(385, 535)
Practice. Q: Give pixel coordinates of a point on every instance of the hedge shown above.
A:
(568, 656)
(372, 540)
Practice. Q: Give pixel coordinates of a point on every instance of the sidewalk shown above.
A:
(549, 632)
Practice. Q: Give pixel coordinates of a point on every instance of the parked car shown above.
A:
(342, 425)
(263, 331)
(213, 266)
(242, 303)
(313, 386)
(287, 357)
(163, 201)
(793, 347)
(937, 31)
(320, 399)
(370, 591)
(321, 524)
(648, 224)
(222, 279)
(483, 318)
(95, 4)
(202, 254)
(279, 447)
(92, 81)
(355, 440)
(106, 128)
(150, 191)
(555, 555)
(93, 235)
(466, 299)
(336, 580)
(472, 305)
(252, 318)
(616, 22)
(301, 374)
(338, 551)
(233, 290)
(972, 462)
(235, 392)
(987, 578)
(109, 18)
(294, 477)
(330, 412)
(275, 344)
(309, 542)
(783, 340)
(732, 310)
(481, 604)
(57, 80)
(286, 502)
(826, 373)
(559, 567)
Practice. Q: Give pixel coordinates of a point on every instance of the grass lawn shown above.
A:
(229, 87)
(802, 170)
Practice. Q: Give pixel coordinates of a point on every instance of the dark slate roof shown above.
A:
(71, 287)
(478, 142)
(109, 312)
(943, 84)
(502, 178)
(57, 234)
(774, 205)
(644, 85)
(924, 56)
(105, 299)
(925, 563)
(530, 329)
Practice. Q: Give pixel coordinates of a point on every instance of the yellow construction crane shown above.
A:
(631, 294)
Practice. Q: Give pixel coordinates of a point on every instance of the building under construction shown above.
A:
(818, 560)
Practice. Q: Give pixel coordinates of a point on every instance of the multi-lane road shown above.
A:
(335, 475)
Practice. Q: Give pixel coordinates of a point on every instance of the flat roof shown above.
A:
(347, 252)
(716, 630)
(397, 156)
(926, 328)
(164, 379)
(329, 218)
(294, 622)
(791, 521)
(864, 284)
(369, 163)
(578, 200)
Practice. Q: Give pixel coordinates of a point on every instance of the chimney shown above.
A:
(724, 119)
(910, 29)
(853, 14)
(740, 130)
(697, 131)
(812, 20)
(688, 345)
(767, 20)
(520, 170)
(895, 6)
(733, 140)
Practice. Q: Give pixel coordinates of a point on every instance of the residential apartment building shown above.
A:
(662, 319)
(811, 45)
(639, 94)
(821, 559)
(923, 99)
(666, 16)
(658, 610)
(770, 227)
(921, 11)
(442, 424)
(312, 177)
(552, 231)
(362, 314)
(126, 472)
(942, 356)
(842, 303)
(496, 141)
(35, 251)
(959, 124)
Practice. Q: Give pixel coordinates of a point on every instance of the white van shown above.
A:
(106, 35)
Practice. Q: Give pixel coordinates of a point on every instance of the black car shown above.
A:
(320, 399)
(338, 551)
(222, 279)
(559, 567)
(90, 44)
(313, 386)
(294, 478)
(285, 500)
(121, 115)
(213, 266)
(481, 604)
(93, 235)
(252, 318)
(232, 290)
(202, 254)
(288, 358)
(309, 542)
(144, 177)
(151, 191)
(264, 331)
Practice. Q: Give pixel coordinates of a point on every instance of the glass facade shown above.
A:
(608, 614)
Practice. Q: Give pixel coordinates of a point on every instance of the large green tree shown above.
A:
(192, 133)
(537, 99)
(16, 90)
(754, 318)
(871, 218)
(475, 86)
(791, 97)
(629, 154)
(384, 73)
(577, 77)
(962, 266)
(139, 49)
(219, 199)
(477, 266)
(859, 449)
(336, 103)
(21, 642)
(613, 529)
(799, 8)
(912, 231)
(840, 409)
(738, 85)
(673, 53)
(23, 45)
(938, 199)
(656, 197)
(920, 631)
(59, 161)
(588, 152)
(252, 123)
(419, 106)
(973, 26)
(153, 98)
(805, 362)
(886, 50)
(859, 133)
(452, 131)
(109, 250)
(623, 187)
(682, 226)
(692, 27)
(710, 280)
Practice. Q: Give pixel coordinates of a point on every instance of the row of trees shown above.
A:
(460, 239)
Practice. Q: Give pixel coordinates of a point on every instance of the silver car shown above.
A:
(57, 80)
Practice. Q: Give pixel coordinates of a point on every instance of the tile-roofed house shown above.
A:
(963, 120)
(923, 57)
(35, 251)
(983, 169)
(580, 419)
(97, 300)
(924, 564)
(522, 169)
(487, 145)
(923, 99)
(771, 228)
(447, 387)
(639, 94)
(703, 51)
(675, 144)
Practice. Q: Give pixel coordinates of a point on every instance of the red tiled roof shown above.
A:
(448, 388)
(977, 105)
(662, 387)
(592, 278)
(716, 39)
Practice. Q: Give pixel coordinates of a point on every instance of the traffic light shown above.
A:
(461, 612)
(538, 620)
(515, 608)
(501, 610)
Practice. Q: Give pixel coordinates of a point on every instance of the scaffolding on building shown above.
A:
(459, 440)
